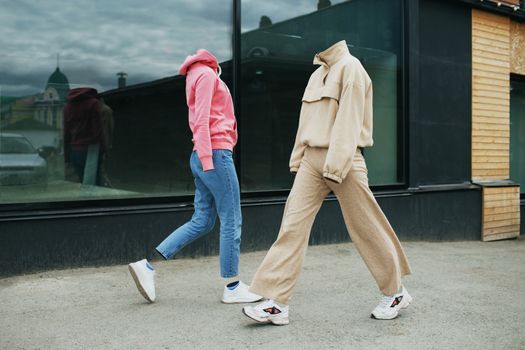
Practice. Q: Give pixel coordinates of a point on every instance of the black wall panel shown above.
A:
(440, 126)
(119, 238)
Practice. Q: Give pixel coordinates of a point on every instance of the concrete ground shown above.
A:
(467, 295)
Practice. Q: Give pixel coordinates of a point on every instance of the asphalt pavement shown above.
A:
(467, 295)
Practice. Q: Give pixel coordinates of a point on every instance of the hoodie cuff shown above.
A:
(332, 177)
(207, 163)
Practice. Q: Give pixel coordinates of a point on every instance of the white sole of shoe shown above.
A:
(239, 301)
(404, 304)
(278, 321)
(137, 282)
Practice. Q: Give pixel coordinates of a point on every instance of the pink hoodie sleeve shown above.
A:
(204, 87)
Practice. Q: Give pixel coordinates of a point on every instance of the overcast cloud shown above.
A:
(277, 10)
(99, 38)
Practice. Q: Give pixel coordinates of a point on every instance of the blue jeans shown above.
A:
(217, 192)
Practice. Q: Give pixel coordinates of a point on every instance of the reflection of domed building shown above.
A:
(58, 81)
(38, 117)
(50, 104)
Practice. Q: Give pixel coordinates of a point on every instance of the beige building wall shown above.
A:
(517, 48)
(494, 47)
(490, 96)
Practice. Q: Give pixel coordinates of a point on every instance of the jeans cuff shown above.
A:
(231, 275)
(160, 253)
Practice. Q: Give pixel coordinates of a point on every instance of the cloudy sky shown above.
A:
(277, 10)
(98, 38)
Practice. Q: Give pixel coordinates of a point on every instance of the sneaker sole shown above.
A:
(275, 321)
(137, 283)
(404, 304)
(236, 301)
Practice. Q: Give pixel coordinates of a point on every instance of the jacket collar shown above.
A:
(332, 55)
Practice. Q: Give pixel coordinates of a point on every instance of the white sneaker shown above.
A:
(390, 305)
(239, 295)
(268, 312)
(144, 276)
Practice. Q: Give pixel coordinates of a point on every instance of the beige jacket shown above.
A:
(336, 112)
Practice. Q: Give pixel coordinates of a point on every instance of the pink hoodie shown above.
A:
(211, 116)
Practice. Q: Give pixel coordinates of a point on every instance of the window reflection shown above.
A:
(133, 140)
(278, 44)
(129, 53)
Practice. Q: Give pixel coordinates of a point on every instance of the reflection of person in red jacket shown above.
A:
(83, 127)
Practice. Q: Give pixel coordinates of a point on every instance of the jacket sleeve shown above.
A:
(345, 132)
(204, 88)
(298, 151)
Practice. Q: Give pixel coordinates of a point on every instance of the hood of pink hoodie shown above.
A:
(201, 56)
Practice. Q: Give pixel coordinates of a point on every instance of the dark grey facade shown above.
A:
(424, 187)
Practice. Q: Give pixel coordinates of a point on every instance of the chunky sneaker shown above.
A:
(239, 294)
(144, 276)
(390, 305)
(268, 312)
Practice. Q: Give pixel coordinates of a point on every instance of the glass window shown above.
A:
(126, 55)
(517, 132)
(278, 42)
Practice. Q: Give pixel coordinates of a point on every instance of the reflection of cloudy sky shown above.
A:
(99, 38)
(277, 10)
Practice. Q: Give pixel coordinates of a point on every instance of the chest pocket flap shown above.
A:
(329, 90)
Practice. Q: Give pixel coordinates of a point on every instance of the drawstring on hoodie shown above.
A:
(219, 70)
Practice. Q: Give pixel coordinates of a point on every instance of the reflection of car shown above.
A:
(47, 151)
(20, 163)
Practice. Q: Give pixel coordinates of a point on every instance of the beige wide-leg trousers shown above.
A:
(369, 229)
